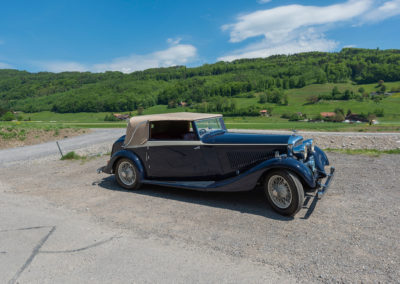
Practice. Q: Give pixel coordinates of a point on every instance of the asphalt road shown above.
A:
(97, 137)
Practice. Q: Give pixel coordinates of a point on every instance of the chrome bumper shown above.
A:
(100, 170)
(325, 187)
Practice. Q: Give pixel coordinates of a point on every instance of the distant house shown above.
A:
(183, 104)
(121, 116)
(327, 114)
(264, 112)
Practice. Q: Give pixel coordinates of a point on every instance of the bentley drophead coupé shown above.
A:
(196, 151)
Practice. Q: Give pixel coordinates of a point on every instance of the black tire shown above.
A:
(287, 198)
(127, 174)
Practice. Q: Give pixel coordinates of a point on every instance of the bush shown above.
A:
(295, 117)
(8, 116)
(379, 112)
(110, 117)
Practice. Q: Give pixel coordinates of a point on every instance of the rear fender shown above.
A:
(129, 155)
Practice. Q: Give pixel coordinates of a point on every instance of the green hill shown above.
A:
(236, 88)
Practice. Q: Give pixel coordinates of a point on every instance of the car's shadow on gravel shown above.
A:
(249, 202)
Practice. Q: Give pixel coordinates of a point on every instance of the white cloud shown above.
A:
(174, 41)
(263, 1)
(5, 65)
(276, 23)
(387, 10)
(307, 41)
(176, 54)
(61, 66)
(291, 29)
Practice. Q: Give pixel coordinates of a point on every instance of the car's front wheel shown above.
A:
(284, 192)
(127, 174)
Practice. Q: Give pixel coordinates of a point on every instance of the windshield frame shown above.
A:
(219, 121)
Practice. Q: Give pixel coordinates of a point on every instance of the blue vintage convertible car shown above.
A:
(196, 151)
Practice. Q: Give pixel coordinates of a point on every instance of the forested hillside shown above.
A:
(115, 91)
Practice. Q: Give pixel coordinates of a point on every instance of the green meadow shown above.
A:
(297, 103)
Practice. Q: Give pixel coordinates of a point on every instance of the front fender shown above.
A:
(125, 154)
(321, 160)
(291, 164)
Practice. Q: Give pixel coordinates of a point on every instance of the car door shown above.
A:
(176, 160)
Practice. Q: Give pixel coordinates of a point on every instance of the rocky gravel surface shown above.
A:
(352, 235)
(344, 140)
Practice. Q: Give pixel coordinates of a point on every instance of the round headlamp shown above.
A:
(300, 151)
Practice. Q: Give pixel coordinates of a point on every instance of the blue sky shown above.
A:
(127, 35)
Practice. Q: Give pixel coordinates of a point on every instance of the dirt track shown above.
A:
(352, 235)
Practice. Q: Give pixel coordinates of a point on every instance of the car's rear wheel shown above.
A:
(127, 174)
(284, 192)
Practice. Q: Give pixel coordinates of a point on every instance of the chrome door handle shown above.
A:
(196, 148)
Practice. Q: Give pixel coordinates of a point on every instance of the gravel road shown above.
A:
(161, 235)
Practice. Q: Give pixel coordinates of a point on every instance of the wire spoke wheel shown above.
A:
(284, 192)
(279, 191)
(126, 173)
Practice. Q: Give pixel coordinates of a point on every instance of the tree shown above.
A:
(285, 100)
(262, 98)
(172, 104)
(8, 116)
(335, 91)
(346, 95)
(140, 110)
(339, 117)
(339, 110)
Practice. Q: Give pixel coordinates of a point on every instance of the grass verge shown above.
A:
(368, 152)
(73, 156)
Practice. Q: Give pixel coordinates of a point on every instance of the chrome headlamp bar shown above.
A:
(309, 145)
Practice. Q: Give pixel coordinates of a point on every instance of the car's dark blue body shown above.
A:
(222, 161)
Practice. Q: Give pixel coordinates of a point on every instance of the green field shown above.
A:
(297, 103)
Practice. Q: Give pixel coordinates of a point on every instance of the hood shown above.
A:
(246, 138)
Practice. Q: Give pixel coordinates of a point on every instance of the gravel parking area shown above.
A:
(352, 235)
(345, 140)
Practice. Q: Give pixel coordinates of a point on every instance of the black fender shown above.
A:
(125, 154)
(321, 160)
(299, 168)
